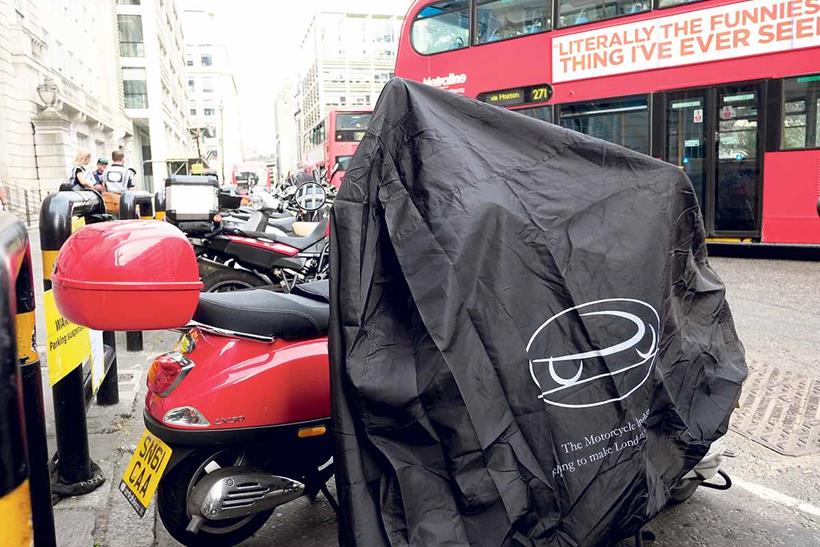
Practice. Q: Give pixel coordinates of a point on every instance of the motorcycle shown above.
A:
(281, 244)
(244, 403)
(239, 410)
(253, 253)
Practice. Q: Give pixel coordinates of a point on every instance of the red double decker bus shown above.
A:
(728, 90)
(335, 140)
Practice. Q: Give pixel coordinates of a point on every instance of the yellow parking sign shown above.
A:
(68, 344)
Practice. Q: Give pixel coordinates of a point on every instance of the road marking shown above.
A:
(776, 497)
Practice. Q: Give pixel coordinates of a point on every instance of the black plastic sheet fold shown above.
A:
(528, 346)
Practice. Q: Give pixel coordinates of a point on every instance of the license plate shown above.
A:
(141, 477)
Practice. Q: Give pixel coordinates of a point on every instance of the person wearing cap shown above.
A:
(102, 164)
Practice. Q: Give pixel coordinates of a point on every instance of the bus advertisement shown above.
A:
(334, 141)
(728, 90)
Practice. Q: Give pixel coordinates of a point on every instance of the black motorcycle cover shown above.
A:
(528, 345)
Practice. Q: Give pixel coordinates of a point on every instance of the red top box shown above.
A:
(127, 275)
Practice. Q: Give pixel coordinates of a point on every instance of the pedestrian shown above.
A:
(79, 178)
(102, 163)
(117, 178)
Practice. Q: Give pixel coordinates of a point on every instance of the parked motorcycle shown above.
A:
(259, 251)
(280, 243)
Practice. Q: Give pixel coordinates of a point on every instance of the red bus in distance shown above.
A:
(729, 90)
(335, 140)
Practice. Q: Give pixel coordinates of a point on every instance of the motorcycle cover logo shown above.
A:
(594, 353)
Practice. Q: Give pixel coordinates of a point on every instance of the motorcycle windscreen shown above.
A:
(528, 344)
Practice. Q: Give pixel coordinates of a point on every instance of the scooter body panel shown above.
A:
(238, 382)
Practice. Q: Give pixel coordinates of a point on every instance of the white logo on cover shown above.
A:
(620, 347)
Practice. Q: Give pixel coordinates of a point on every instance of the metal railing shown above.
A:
(23, 202)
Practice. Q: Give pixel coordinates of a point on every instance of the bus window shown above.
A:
(670, 3)
(500, 19)
(800, 112)
(623, 121)
(543, 113)
(577, 12)
(442, 26)
(343, 162)
(351, 127)
(317, 134)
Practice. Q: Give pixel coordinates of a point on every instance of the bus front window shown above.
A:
(342, 162)
(351, 127)
(442, 26)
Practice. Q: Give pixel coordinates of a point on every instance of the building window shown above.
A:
(131, 42)
(189, 61)
(135, 89)
(209, 112)
(191, 85)
(206, 60)
(128, 2)
(207, 85)
(801, 109)
(578, 12)
(501, 19)
(193, 112)
(442, 26)
(622, 121)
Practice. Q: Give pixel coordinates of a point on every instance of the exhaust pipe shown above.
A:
(238, 492)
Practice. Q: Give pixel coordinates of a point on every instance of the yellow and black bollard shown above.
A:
(24, 477)
(159, 205)
(76, 473)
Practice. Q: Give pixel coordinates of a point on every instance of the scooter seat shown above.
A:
(263, 312)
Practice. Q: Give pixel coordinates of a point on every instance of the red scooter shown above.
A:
(244, 402)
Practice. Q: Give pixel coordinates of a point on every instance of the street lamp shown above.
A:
(48, 91)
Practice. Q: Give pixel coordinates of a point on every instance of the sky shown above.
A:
(262, 38)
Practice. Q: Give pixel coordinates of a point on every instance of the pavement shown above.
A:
(775, 499)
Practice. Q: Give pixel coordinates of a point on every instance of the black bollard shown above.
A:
(109, 392)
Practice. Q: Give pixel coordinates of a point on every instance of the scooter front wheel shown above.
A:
(172, 503)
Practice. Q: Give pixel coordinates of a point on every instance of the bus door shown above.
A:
(715, 135)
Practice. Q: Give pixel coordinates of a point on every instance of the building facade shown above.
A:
(213, 100)
(79, 104)
(154, 85)
(348, 57)
(287, 139)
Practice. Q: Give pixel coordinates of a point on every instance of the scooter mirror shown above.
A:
(310, 196)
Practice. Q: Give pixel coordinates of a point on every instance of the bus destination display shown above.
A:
(518, 96)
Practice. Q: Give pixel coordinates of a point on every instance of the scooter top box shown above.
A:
(127, 275)
(191, 198)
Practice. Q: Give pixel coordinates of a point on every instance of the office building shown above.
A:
(348, 56)
(154, 84)
(213, 100)
(59, 94)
